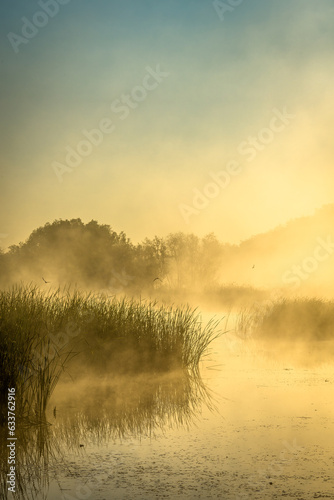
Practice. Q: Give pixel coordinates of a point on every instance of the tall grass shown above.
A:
(290, 319)
(40, 333)
(28, 360)
(96, 412)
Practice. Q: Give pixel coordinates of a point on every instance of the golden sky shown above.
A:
(211, 118)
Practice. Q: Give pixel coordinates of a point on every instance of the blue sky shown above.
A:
(224, 80)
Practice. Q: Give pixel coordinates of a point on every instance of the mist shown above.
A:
(166, 249)
(293, 259)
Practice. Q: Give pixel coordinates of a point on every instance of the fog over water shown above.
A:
(166, 250)
(165, 368)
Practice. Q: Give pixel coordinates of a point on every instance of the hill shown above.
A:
(299, 254)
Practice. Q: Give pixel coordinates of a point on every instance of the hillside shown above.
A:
(297, 254)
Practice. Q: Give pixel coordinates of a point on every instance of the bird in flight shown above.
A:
(253, 266)
(45, 280)
(155, 279)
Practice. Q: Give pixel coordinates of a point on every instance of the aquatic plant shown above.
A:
(40, 333)
(289, 319)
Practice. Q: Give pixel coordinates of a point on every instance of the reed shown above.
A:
(41, 333)
(289, 319)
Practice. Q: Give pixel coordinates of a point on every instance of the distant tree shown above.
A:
(211, 259)
(93, 255)
(152, 260)
(69, 251)
(183, 252)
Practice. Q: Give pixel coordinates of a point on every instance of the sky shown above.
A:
(160, 116)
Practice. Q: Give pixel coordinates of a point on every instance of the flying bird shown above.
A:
(45, 280)
(155, 279)
(253, 266)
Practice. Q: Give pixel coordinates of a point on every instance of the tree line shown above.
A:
(95, 256)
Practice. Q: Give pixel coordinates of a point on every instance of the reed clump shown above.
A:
(290, 319)
(42, 334)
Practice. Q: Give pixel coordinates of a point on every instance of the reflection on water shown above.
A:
(95, 412)
(36, 447)
(275, 422)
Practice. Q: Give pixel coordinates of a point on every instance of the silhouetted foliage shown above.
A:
(93, 255)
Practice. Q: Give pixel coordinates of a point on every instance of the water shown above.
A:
(258, 424)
